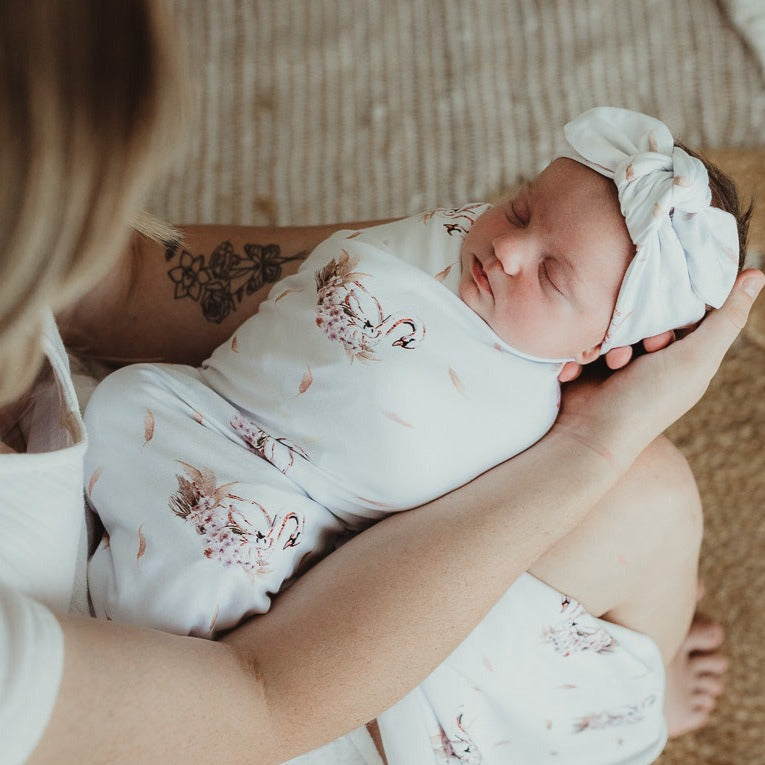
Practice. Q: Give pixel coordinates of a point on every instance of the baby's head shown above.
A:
(611, 244)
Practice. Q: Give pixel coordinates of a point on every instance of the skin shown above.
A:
(543, 268)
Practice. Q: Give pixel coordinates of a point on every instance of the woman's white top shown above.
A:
(42, 553)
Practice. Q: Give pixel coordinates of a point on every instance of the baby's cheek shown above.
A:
(595, 326)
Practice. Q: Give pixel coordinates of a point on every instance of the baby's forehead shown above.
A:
(563, 172)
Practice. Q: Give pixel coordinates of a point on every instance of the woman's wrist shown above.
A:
(598, 447)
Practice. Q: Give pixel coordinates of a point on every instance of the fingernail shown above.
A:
(752, 286)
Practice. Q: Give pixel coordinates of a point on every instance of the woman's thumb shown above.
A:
(721, 327)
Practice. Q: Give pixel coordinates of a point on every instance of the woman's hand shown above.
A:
(619, 417)
(619, 357)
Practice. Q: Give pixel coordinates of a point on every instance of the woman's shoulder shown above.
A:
(41, 505)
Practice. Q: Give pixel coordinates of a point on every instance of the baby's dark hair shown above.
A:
(725, 196)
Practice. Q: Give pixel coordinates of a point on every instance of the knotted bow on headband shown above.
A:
(686, 251)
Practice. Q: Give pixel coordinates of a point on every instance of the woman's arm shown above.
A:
(178, 303)
(346, 641)
(371, 620)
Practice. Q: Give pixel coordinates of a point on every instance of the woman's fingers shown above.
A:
(569, 371)
(708, 343)
(657, 342)
(619, 357)
(629, 409)
(720, 328)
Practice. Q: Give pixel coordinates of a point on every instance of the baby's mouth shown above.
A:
(479, 275)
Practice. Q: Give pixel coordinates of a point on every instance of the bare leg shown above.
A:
(634, 561)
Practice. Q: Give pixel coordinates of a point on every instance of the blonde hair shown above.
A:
(90, 98)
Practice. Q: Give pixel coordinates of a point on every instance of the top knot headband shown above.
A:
(686, 250)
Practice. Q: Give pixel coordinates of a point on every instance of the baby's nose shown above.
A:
(509, 252)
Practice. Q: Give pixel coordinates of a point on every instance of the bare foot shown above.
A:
(695, 677)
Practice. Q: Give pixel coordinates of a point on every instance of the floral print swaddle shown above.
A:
(363, 386)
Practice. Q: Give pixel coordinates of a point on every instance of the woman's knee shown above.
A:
(648, 527)
(663, 481)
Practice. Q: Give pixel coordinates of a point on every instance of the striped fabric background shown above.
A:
(325, 110)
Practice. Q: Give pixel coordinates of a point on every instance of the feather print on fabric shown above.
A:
(629, 714)
(94, 479)
(457, 383)
(305, 383)
(141, 543)
(441, 275)
(148, 426)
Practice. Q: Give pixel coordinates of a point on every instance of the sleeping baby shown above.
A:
(400, 362)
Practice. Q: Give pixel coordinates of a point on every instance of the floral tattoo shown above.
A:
(220, 282)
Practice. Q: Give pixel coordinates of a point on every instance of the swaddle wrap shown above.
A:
(363, 386)
(686, 251)
(391, 386)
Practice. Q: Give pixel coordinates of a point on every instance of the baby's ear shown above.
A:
(585, 357)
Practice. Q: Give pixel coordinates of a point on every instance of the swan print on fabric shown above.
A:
(348, 313)
(278, 451)
(577, 631)
(227, 535)
(457, 748)
(458, 220)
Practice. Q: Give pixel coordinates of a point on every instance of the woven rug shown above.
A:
(326, 110)
(329, 110)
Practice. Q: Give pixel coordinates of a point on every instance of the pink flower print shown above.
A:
(227, 535)
(349, 314)
(458, 220)
(278, 451)
(577, 631)
(617, 320)
(629, 714)
(459, 748)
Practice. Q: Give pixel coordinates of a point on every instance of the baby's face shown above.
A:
(543, 268)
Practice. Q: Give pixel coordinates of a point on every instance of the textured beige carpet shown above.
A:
(354, 109)
(327, 110)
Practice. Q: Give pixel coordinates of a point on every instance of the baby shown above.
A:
(400, 362)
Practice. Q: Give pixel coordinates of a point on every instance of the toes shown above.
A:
(712, 664)
(711, 685)
(704, 635)
(701, 703)
(698, 719)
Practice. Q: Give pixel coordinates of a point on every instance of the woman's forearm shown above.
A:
(347, 640)
(177, 303)
(364, 626)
